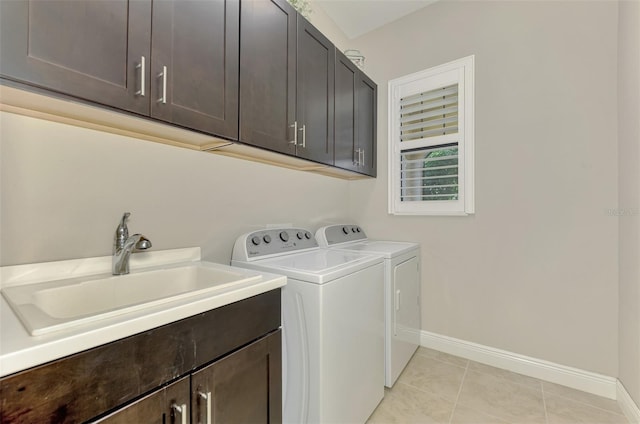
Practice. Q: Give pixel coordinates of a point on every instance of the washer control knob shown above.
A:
(267, 239)
(307, 235)
(358, 229)
(345, 230)
(353, 229)
(284, 236)
(255, 240)
(300, 235)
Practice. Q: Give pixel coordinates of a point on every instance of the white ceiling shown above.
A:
(357, 17)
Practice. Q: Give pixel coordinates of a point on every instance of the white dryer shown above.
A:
(333, 324)
(401, 290)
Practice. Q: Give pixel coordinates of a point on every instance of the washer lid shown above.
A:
(388, 249)
(318, 266)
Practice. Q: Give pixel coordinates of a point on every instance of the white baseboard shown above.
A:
(628, 406)
(586, 381)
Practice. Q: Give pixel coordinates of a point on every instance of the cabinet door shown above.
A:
(244, 387)
(194, 64)
(268, 74)
(366, 122)
(345, 113)
(89, 49)
(315, 87)
(164, 406)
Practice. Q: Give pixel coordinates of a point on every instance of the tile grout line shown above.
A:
(455, 403)
(544, 403)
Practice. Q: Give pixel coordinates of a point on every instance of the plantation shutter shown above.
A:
(430, 113)
(429, 173)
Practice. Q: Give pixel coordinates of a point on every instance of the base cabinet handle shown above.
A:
(182, 410)
(207, 397)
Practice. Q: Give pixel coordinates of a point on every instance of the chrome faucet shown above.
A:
(123, 246)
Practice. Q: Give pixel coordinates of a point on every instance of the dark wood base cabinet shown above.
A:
(221, 366)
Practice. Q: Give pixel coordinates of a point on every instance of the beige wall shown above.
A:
(534, 271)
(323, 22)
(64, 189)
(629, 186)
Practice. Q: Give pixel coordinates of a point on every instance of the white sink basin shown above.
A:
(55, 305)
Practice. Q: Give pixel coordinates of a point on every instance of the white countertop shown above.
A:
(19, 350)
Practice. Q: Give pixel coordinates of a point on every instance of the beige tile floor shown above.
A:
(439, 388)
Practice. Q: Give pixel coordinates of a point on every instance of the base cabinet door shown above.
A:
(169, 405)
(93, 50)
(244, 387)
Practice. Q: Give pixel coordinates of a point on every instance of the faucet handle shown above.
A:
(122, 232)
(126, 216)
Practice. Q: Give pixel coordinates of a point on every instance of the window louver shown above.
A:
(429, 174)
(429, 114)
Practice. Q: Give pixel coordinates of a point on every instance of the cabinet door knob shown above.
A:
(143, 72)
(207, 397)
(182, 410)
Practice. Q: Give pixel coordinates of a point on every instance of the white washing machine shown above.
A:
(401, 290)
(333, 324)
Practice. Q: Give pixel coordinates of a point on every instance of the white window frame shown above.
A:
(462, 72)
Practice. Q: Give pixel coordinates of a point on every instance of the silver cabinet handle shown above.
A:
(356, 162)
(207, 397)
(304, 135)
(182, 410)
(142, 67)
(163, 74)
(295, 133)
(362, 160)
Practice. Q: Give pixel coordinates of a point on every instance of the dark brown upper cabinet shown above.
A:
(194, 64)
(366, 123)
(268, 74)
(93, 50)
(101, 50)
(346, 140)
(355, 118)
(254, 71)
(315, 91)
(286, 82)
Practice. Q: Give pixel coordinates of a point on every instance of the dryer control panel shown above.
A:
(341, 233)
(263, 243)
